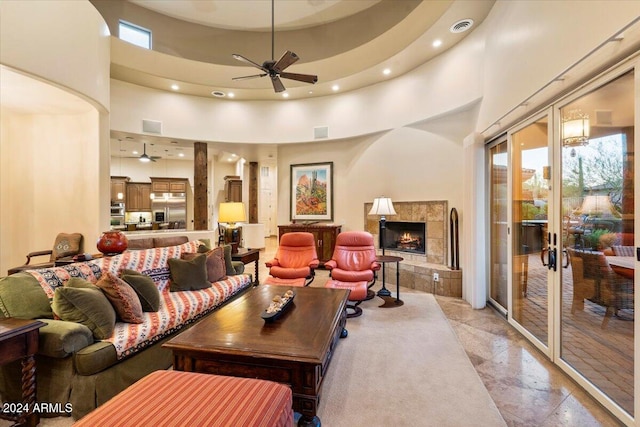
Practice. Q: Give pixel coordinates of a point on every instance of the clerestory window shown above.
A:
(134, 34)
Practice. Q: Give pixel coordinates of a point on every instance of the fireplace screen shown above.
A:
(405, 236)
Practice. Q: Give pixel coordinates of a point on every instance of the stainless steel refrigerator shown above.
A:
(170, 208)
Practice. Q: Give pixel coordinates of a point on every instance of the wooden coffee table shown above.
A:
(295, 349)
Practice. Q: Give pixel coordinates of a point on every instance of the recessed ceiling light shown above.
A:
(437, 43)
(461, 26)
(310, 92)
(285, 95)
(175, 87)
(335, 88)
(134, 152)
(386, 71)
(218, 93)
(180, 154)
(231, 94)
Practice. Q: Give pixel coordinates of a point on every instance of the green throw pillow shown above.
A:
(188, 275)
(216, 268)
(21, 296)
(89, 307)
(145, 288)
(231, 271)
(205, 245)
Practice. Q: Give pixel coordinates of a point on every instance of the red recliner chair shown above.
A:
(352, 267)
(295, 261)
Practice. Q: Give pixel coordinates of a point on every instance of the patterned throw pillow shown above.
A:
(216, 267)
(66, 245)
(189, 275)
(123, 298)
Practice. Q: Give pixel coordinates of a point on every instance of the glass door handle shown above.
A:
(542, 253)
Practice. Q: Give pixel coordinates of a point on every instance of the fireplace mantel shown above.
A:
(417, 271)
(432, 213)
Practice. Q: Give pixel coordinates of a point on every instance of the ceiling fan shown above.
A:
(275, 69)
(146, 158)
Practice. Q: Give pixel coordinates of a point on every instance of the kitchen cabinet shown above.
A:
(138, 197)
(169, 185)
(324, 235)
(118, 188)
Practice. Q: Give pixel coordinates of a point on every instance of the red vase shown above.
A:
(112, 242)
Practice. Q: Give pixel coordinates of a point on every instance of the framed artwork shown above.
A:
(312, 192)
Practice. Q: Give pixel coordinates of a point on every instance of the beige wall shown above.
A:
(54, 143)
(49, 177)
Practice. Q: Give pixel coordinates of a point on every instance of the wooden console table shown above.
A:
(19, 341)
(324, 234)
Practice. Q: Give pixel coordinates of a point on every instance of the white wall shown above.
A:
(141, 172)
(65, 42)
(404, 164)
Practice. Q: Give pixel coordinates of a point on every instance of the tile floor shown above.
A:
(526, 387)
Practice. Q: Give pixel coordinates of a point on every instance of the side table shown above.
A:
(246, 256)
(384, 292)
(19, 341)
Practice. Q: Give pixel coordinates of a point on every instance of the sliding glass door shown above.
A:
(563, 234)
(499, 196)
(597, 234)
(530, 196)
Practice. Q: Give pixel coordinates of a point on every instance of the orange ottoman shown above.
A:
(357, 294)
(175, 398)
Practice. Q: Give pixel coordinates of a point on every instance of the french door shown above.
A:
(563, 234)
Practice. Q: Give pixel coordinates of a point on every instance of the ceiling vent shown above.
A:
(321, 132)
(461, 26)
(604, 118)
(152, 126)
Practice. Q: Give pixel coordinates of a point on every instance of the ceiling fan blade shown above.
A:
(307, 78)
(277, 84)
(248, 61)
(249, 77)
(285, 60)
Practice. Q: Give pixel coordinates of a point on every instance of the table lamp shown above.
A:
(231, 213)
(382, 206)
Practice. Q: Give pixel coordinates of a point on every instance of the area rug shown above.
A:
(400, 367)
(404, 367)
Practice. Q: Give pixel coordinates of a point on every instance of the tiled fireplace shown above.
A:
(415, 221)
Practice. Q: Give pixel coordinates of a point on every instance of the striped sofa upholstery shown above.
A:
(175, 398)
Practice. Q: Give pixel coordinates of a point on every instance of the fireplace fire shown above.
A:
(405, 236)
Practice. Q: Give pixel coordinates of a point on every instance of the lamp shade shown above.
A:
(597, 205)
(232, 212)
(382, 206)
(575, 129)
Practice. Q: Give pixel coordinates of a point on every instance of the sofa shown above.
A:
(77, 362)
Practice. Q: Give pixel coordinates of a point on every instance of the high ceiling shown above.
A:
(348, 43)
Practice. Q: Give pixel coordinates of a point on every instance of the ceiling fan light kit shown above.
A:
(144, 158)
(275, 69)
